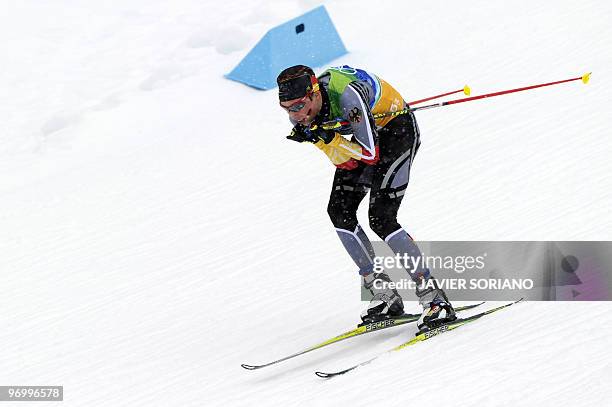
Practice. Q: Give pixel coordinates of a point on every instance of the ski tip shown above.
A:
(329, 375)
(586, 77)
(467, 90)
(324, 375)
(249, 367)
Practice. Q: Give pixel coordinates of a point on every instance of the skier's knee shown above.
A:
(382, 223)
(340, 217)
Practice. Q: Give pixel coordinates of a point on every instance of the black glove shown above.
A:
(300, 134)
(324, 135)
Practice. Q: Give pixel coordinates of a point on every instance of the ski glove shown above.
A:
(300, 134)
(325, 136)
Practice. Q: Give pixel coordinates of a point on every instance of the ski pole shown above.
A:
(466, 91)
(585, 79)
(337, 124)
(331, 125)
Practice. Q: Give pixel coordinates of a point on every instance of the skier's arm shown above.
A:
(338, 157)
(336, 148)
(344, 153)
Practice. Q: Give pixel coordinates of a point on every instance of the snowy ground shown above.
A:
(157, 229)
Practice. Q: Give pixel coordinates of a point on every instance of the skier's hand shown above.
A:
(325, 136)
(300, 134)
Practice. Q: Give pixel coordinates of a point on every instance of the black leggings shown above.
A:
(387, 180)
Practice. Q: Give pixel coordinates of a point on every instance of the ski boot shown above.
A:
(437, 309)
(385, 304)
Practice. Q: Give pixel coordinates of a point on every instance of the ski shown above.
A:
(422, 336)
(360, 330)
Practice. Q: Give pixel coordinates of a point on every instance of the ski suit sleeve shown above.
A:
(356, 109)
(342, 152)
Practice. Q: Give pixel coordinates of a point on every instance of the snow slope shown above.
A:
(157, 229)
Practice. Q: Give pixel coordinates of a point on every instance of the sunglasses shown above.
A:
(297, 106)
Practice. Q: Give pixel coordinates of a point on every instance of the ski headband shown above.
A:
(296, 88)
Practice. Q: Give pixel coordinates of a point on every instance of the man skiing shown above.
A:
(377, 158)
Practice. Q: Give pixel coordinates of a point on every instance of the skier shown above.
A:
(376, 158)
